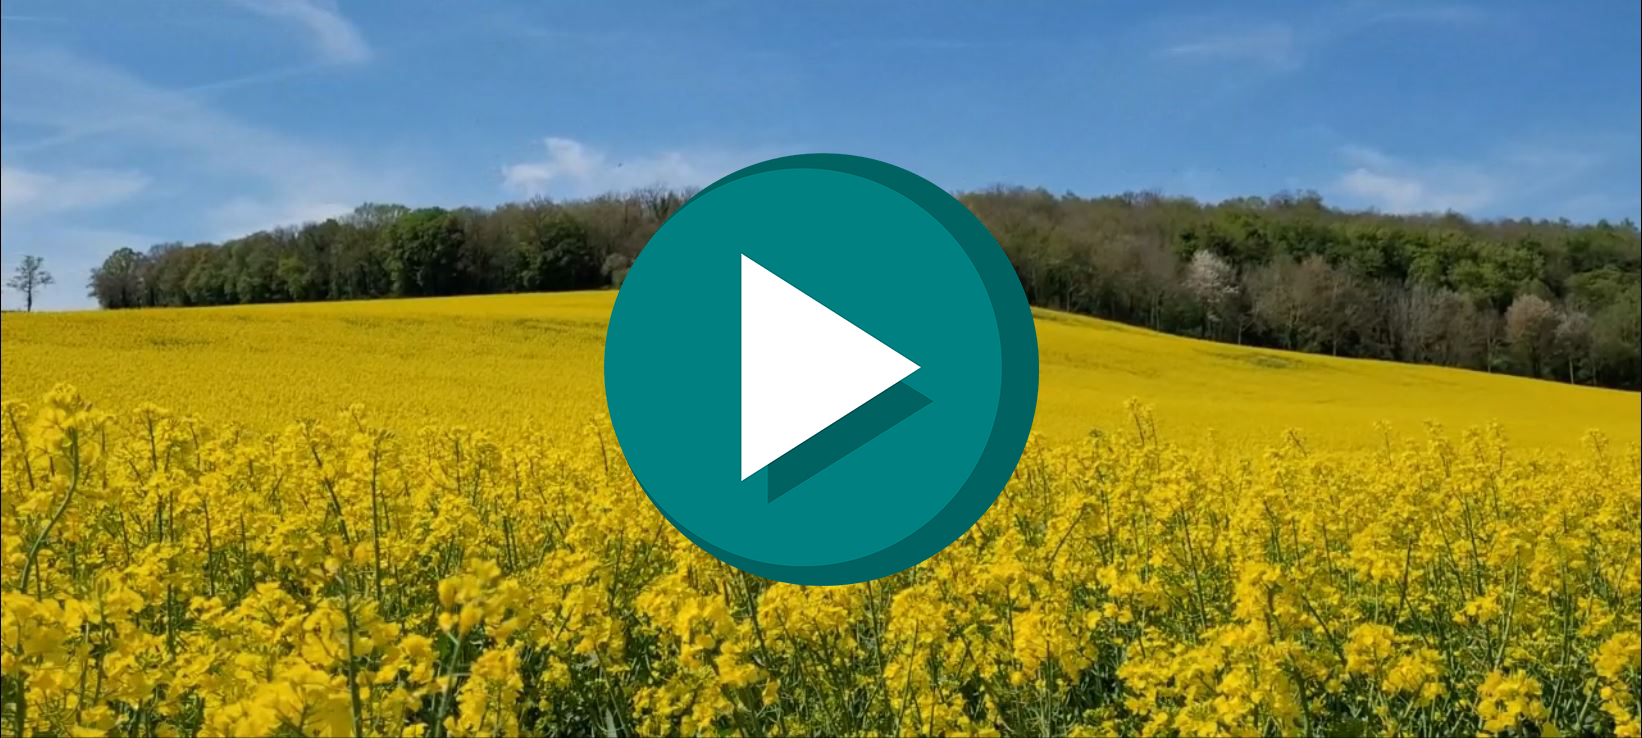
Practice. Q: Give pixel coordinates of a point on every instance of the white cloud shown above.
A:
(336, 38)
(1518, 178)
(1413, 193)
(225, 176)
(1394, 186)
(1271, 44)
(27, 192)
(105, 109)
(572, 169)
(241, 215)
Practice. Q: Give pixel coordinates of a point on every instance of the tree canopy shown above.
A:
(1549, 299)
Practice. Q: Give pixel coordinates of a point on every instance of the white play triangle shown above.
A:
(802, 367)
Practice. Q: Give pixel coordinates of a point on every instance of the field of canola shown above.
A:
(504, 362)
(1246, 549)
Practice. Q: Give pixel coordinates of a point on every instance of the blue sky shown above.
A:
(132, 123)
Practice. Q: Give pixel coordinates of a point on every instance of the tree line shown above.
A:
(1548, 299)
(383, 250)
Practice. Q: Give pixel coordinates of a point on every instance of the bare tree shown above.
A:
(1155, 273)
(659, 202)
(1274, 299)
(1572, 339)
(1473, 334)
(29, 277)
(1417, 323)
(1530, 326)
(1333, 305)
(1492, 329)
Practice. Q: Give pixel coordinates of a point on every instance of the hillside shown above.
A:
(1550, 300)
(503, 361)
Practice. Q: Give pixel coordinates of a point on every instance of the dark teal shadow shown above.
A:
(1017, 396)
(848, 433)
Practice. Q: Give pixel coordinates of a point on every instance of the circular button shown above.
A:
(822, 369)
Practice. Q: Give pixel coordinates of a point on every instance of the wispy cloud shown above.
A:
(1271, 44)
(115, 122)
(573, 169)
(332, 34)
(242, 215)
(1396, 186)
(103, 144)
(27, 193)
(238, 176)
(1286, 44)
(1521, 178)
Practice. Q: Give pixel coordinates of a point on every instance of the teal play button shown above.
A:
(822, 369)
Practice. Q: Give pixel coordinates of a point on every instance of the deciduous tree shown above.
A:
(29, 278)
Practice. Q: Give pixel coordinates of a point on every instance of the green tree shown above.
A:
(1616, 340)
(118, 282)
(423, 247)
(1428, 288)
(555, 255)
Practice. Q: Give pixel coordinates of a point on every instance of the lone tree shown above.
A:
(29, 277)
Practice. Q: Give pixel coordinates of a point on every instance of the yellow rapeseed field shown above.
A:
(505, 361)
(1263, 543)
